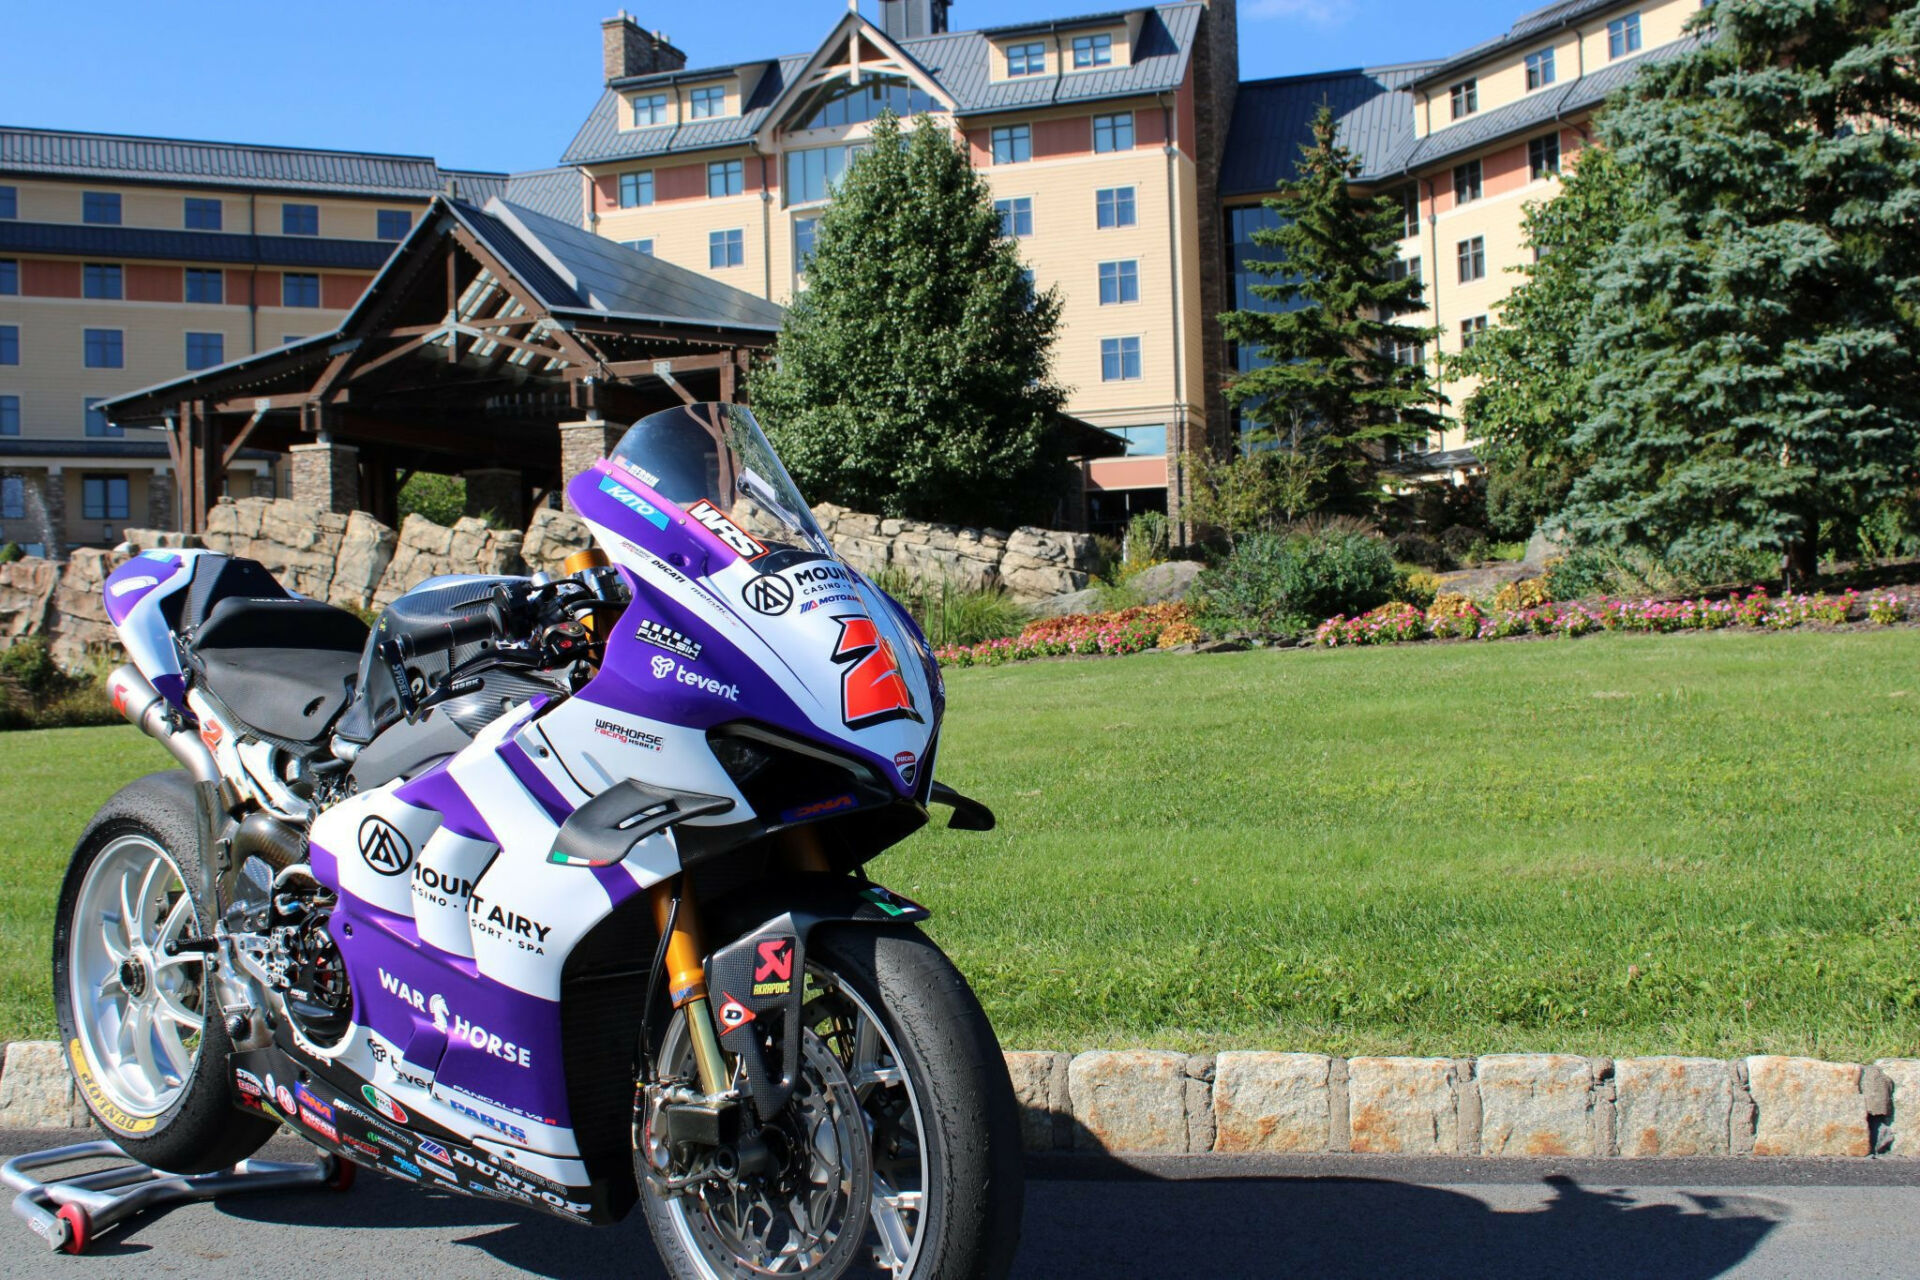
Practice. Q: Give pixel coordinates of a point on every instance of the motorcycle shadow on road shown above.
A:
(1245, 1228)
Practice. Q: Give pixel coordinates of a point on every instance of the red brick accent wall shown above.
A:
(149, 282)
(1053, 138)
(682, 182)
(339, 293)
(46, 278)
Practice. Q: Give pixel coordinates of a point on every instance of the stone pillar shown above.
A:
(496, 492)
(584, 443)
(160, 500)
(327, 475)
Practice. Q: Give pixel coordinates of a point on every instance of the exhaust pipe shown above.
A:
(267, 837)
(135, 698)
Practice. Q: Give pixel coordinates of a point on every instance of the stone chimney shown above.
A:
(626, 50)
(905, 19)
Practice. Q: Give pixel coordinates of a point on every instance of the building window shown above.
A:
(1092, 51)
(1119, 359)
(1623, 36)
(813, 174)
(1543, 155)
(708, 102)
(9, 275)
(1016, 216)
(299, 219)
(1465, 97)
(1540, 69)
(299, 289)
(101, 280)
(639, 246)
(203, 214)
(103, 497)
(1473, 259)
(1032, 294)
(1466, 182)
(1012, 144)
(840, 103)
(9, 415)
(9, 202)
(393, 224)
(1113, 133)
(9, 344)
(1119, 282)
(1405, 268)
(1409, 212)
(649, 110)
(13, 496)
(206, 284)
(1407, 354)
(636, 189)
(1027, 60)
(726, 248)
(102, 208)
(1471, 330)
(726, 178)
(104, 349)
(1113, 207)
(805, 232)
(205, 350)
(97, 425)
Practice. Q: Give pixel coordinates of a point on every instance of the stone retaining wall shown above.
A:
(357, 562)
(1240, 1103)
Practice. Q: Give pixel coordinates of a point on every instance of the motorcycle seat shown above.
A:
(284, 666)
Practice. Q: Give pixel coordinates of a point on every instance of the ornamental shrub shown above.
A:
(1454, 617)
(1272, 583)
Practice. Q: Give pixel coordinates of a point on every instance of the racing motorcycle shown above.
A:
(549, 889)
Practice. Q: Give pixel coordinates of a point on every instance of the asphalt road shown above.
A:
(1324, 1216)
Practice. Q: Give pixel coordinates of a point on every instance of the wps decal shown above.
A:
(872, 691)
(721, 526)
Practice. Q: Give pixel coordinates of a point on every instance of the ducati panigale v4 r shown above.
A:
(549, 889)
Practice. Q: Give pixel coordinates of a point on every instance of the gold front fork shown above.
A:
(687, 979)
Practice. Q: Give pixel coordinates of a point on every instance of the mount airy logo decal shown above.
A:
(384, 848)
(633, 502)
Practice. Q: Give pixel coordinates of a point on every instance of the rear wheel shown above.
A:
(899, 1154)
(151, 1064)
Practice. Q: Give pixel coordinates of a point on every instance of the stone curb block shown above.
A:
(1153, 1101)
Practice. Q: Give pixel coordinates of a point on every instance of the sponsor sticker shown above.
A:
(663, 666)
(434, 1151)
(383, 1104)
(499, 922)
(132, 585)
(872, 691)
(284, 1096)
(495, 1123)
(633, 502)
(319, 1125)
(818, 808)
(662, 636)
(384, 847)
(773, 967)
(768, 594)
(309, 1100)
(721, 526)
(907, 764)
(352, 1143)
(732, 1014)
(407, 1167)
(248, 1083)
(452, 1024)
(840, 598)
(627, 735)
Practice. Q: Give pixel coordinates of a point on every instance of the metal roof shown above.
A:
(77, 240)
(959, 62)
(1527, 28)
(1273, 119)
(66, 153)
(558, 193)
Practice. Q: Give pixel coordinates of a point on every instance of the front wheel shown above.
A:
(899, 1153)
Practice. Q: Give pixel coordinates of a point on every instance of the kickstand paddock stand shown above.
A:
(69, 1212)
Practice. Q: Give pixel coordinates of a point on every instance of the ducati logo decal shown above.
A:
(721, 526)
(872, 691)
(908, 764)
(768, 594)
(773, 967)
(384, 848)
(733, 1015)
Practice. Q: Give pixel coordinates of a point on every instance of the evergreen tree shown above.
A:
(1533, 386)
(913, 374)
(1331, 384)
(1754, 333)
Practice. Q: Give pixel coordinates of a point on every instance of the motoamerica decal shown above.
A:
(97, 1098)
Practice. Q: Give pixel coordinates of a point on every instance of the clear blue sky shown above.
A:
(490, 84)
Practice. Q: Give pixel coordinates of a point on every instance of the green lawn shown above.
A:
(1701, 843)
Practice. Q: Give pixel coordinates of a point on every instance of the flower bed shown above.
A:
(1395, 623)
(1084, 634)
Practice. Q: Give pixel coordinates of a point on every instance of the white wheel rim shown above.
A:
(136, 1009)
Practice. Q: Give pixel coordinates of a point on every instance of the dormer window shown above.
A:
(1092, 51)
(1026, 60)
(707, 103)
(649, 110)
(1466, 98)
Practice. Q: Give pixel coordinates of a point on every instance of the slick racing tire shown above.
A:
(891, 1023)
(147, 1051)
